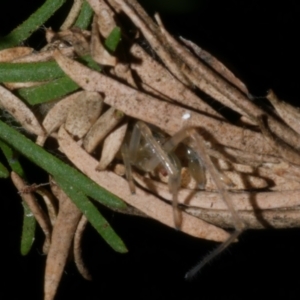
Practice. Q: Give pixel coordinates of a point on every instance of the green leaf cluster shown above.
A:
(55, 85)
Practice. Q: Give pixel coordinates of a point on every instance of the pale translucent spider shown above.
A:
(146, 152)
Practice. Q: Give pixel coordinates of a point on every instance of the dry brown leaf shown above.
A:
(34, 207)
(83, 113)
(50, 203)
(215, 64)
(243, 200)
(61, 241)
(164, 83)
(144, 107)
(111, 146)
(10, 54)
(46, 55)
(188, 69)
(106, 17)
(103, 126)
(286, 151)
(57, 115)
(77, 249)
(288, 113)
(286, 218)
(152, 34)
(20, 112)
(72, 16)
(98, 51)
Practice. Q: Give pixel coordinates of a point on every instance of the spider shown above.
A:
(148, 154)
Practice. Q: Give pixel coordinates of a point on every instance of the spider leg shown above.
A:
(196, 165)
(128, 169)
(199, 147)
(129, 155)
(196, 168)
(158, 155)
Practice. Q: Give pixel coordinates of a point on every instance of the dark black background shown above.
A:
(260, 43)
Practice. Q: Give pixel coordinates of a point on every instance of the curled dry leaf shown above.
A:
(152, 34)
(83, 113)
(47, 54)
(58, 113)
(124, 73)
(207, 79)
(164, 83)
(282, 176)
(105, 17)
(73, 13)
(287, 112)
(79, 111)
(20, 112)
(98, 51)
(61, 241)
(105, 124)
(111, 146)
(287, 218)
(236, 181)
(287, 152)
(10, 54)
(243, 200)
(246, 158)
(36, 210)
(279, 175)
(50, 203)
(77, 249)
(215, 64)
(103, 24)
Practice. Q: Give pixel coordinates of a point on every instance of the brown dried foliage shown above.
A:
(261, 160)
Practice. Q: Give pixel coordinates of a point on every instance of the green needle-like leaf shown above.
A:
(55, 89)
(36, 20)
(88, 61)
(93, 215)
(4, 173)
(52, 90)
(57, 168)
(84, 19)
(38, 71)
(112, 41)
(12, 159)
(26, 72)
(29, 222)
(28, 230)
